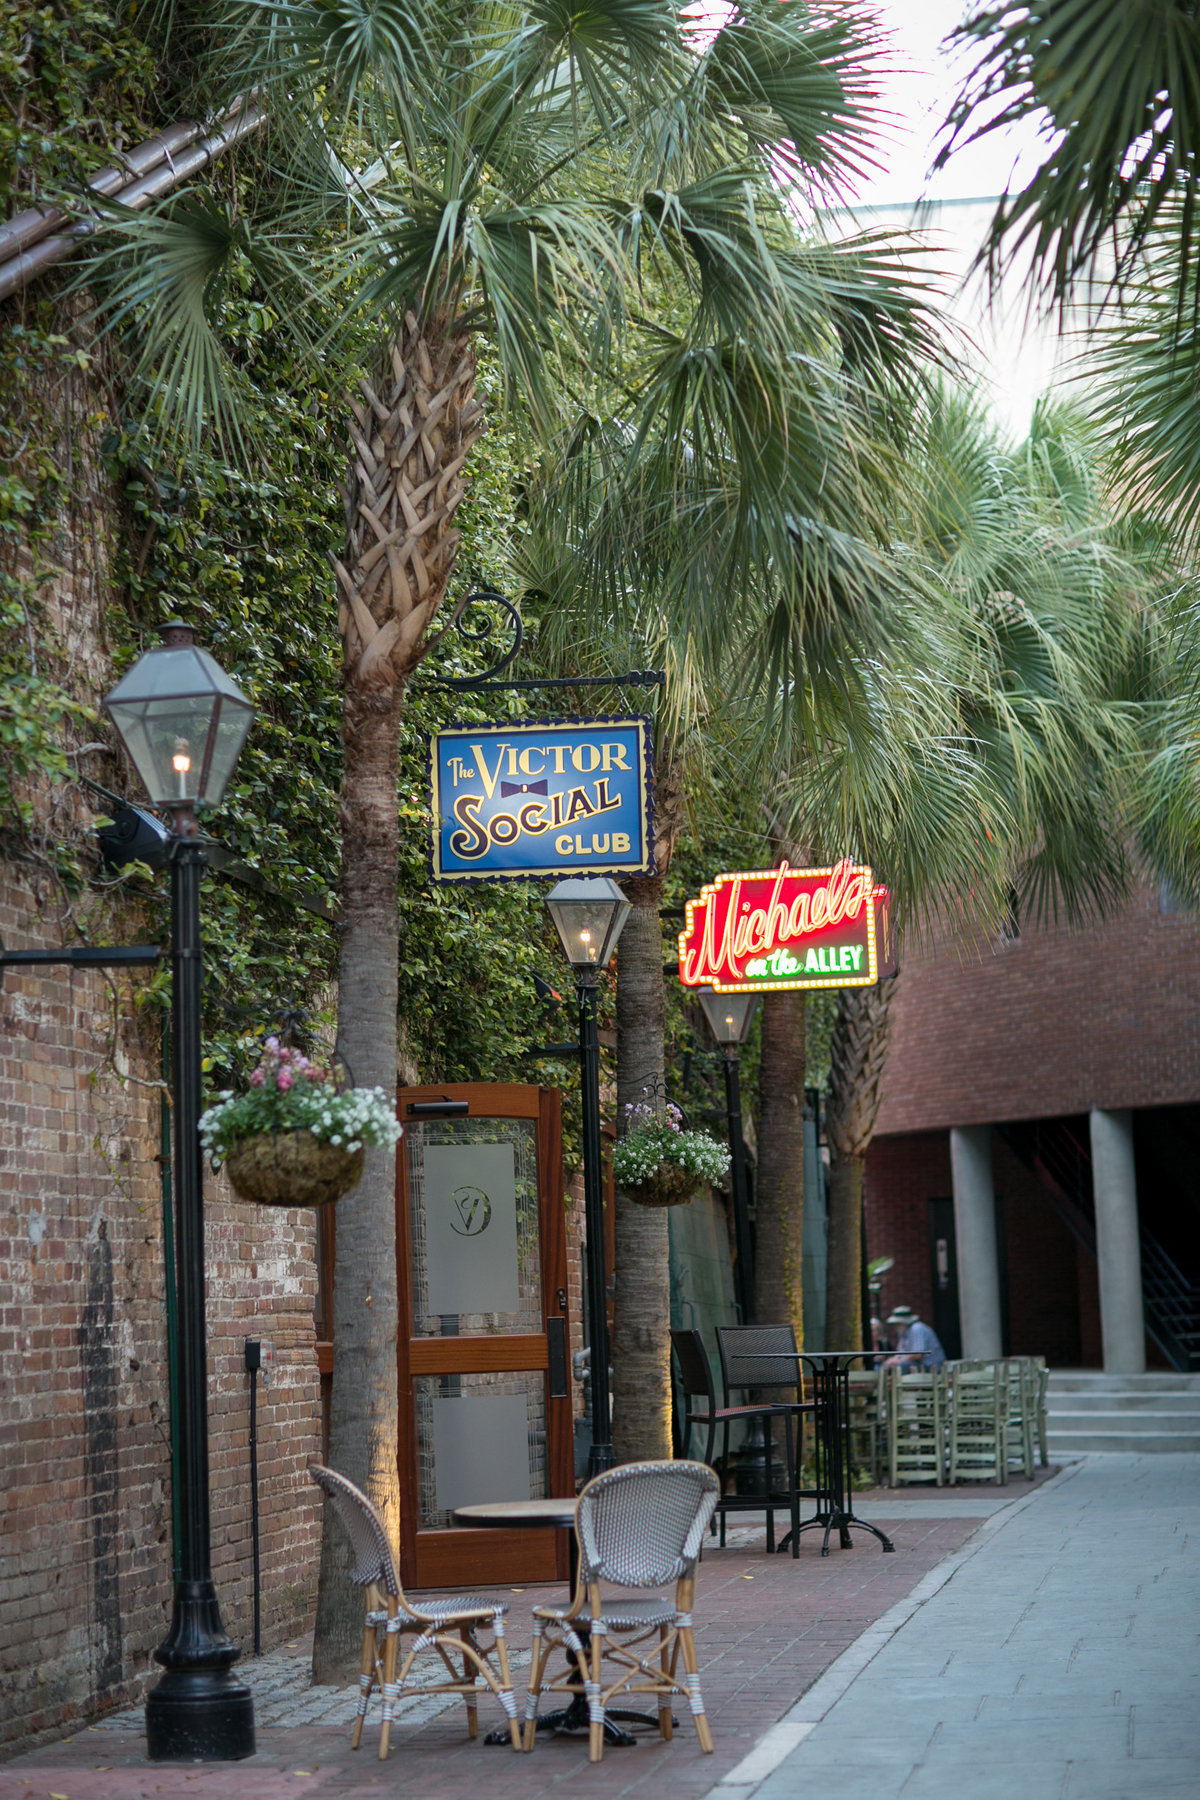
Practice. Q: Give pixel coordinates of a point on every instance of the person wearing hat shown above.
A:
(917, 1346)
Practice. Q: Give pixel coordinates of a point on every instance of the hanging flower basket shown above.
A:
(293, 1168)
(668, 1185)
(658, 1163)
(296, 1138)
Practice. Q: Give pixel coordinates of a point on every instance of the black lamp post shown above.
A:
(589, 916)
(183, 722)
(729, 1019)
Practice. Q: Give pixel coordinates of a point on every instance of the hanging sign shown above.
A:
(783, 928)
(542, 798)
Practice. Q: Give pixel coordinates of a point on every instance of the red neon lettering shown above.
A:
(726, 927)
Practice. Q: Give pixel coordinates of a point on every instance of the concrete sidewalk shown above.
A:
(1055, 1657)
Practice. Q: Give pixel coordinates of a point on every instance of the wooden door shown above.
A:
(485, 1396)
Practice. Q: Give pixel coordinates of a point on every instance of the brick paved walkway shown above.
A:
(766, 1629)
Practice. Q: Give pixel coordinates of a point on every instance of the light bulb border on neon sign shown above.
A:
(708, 893)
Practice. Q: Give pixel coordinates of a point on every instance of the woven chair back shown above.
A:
(373, 1560)
(642, 1524)
(758, 1356)
(694, 1370)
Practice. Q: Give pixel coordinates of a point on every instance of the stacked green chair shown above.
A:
(868, 1419)
(916, 1426)
(1042, 1382)
(1018, 1373)
(978, 1397)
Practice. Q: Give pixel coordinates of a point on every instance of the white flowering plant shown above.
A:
(653, 1139)
(290, 1092)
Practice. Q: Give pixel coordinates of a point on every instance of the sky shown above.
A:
(919, 89)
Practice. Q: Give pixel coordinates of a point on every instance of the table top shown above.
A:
(801, 1355)
(511, 1514)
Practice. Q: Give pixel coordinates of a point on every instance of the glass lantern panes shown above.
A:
(183, 722)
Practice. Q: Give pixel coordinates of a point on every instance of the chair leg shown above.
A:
(391, 1650)
(539, 1653)
(695, 1698)
(471, 1698)
(366, 1681)
(665, 1725)
(514, 1729)
(595, 1694)
(795, 1443)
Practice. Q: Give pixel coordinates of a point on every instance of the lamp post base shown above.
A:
(199, 1715)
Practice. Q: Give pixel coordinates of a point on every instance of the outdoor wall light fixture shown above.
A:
(589, 917)
(730, 1017)
(183, 722)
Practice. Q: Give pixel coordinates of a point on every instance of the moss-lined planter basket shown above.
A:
(293, 1168)
(669, 1185)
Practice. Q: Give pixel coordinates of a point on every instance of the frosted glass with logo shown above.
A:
(470, 1208)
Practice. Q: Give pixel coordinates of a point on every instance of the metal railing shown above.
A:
(1053, 1152)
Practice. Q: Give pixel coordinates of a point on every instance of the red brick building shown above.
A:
(1039, 1138)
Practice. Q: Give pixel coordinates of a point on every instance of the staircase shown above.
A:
(1087, 1411)
(1055, 1150)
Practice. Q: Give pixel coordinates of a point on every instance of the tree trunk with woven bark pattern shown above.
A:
(779, 1182)
(414, 424)
(858, 1056)
(641, 1347)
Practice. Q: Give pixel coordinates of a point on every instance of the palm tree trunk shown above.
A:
(858, 1056)
(641, 1348)
(779, 1187)
(363, 1412)
(414, 425)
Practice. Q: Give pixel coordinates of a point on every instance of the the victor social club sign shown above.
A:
(540, 798)
(783, 928)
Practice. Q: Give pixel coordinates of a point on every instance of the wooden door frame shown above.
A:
(470, 1555)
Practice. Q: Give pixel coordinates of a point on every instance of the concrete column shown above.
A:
(975, 1234)
(1118, 1251)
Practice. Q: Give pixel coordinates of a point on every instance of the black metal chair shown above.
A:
(758, 1357)
(695, 1374)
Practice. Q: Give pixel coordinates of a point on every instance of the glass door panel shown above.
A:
(485, 1409)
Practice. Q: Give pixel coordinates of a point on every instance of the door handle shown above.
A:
(556, 1358)
(560, 1294)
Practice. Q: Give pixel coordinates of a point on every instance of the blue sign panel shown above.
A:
(541, 798)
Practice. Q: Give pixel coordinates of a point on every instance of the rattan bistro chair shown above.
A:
(638, 1526)
(701, 1409)
(445, 1626)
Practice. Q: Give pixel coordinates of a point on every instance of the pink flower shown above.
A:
(257, 1078)
(272, 1043)
(283, 1080)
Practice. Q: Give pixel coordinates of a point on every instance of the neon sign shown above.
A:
(783, 928)
(541, 797)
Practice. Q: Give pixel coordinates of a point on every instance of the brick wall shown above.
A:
(85, 1473)
(85, 1479)
(1055, 1023)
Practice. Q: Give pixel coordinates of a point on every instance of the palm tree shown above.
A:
(532, 174)
(1048, 707)
(1114, 87)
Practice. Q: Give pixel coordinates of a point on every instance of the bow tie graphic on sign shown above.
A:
(473, 1210)
(508, 788)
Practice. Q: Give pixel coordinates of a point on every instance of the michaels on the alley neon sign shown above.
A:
(783, 928)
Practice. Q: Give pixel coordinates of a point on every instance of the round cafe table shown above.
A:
(508, 1515)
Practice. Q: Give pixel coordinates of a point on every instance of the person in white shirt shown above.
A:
(917, 1347)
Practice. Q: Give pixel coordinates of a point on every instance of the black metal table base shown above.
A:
(830, 1380)
(575, 1718)
(843, 1523)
